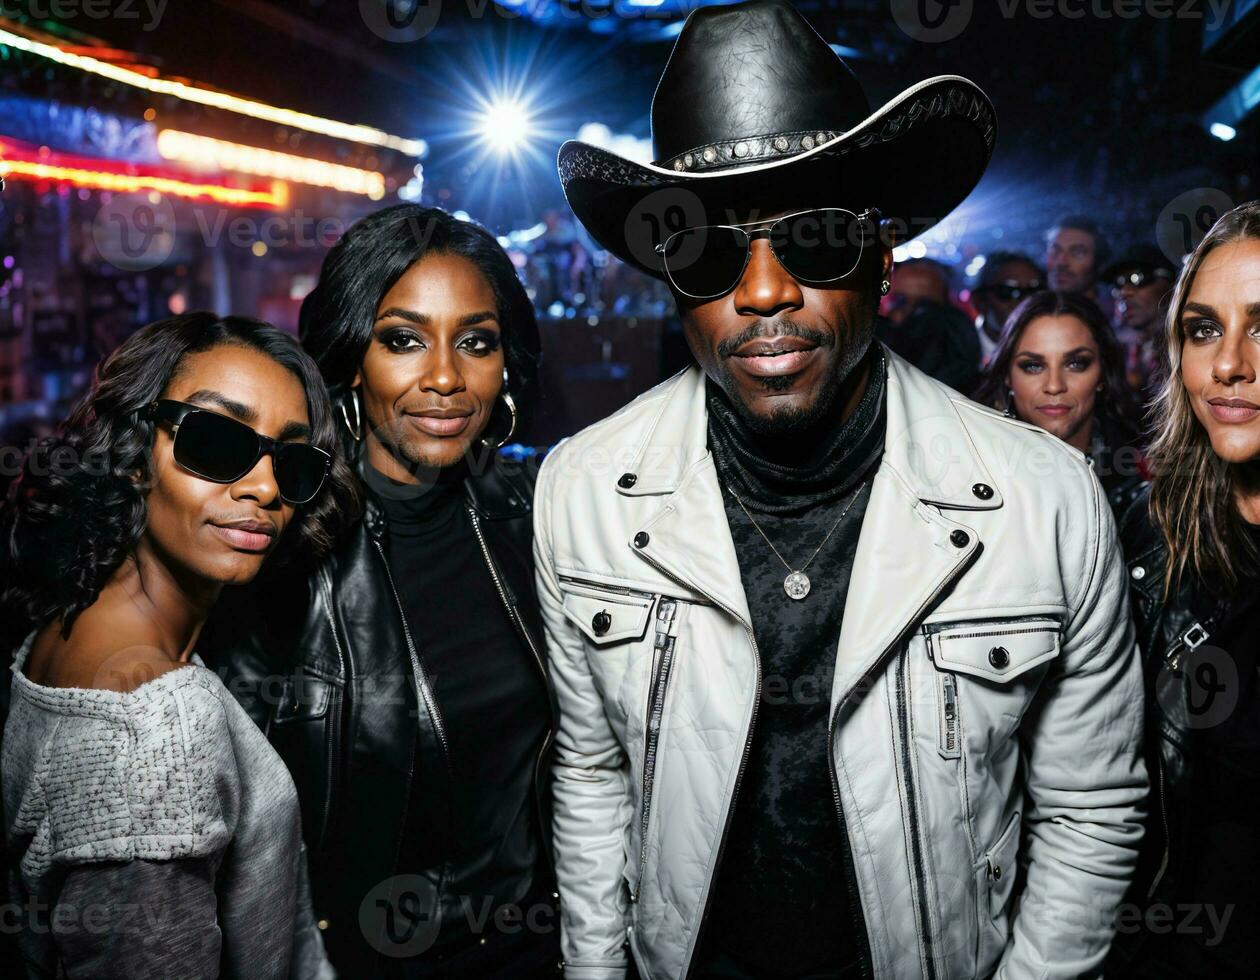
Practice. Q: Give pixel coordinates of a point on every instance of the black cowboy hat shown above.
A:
(755, 109)
(1147, 258)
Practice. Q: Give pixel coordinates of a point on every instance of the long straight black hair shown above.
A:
(1115, 410)
(337, 316)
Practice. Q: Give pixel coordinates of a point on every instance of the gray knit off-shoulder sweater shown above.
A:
(152, 833)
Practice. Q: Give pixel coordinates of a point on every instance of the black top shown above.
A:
(1213, 929)
(781, 906)
(489, 692)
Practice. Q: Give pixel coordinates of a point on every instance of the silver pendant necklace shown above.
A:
(796, 584)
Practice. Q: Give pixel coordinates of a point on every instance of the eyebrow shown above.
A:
(243, 413)
(424, 320)
(1074, 350)
(1205, 309)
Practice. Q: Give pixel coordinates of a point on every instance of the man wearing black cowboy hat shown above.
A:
(841, 657)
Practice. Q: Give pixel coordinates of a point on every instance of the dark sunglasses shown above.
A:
(1137, 278)
(220, 449)
(1008, 292)
(817, 246)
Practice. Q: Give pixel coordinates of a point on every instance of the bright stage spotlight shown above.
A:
(505, 125)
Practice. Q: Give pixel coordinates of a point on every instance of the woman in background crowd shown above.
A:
(1058, 365)
(417, 716)
(151, 828)
(1193, 550)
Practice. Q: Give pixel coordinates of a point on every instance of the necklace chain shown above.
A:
(816, 550)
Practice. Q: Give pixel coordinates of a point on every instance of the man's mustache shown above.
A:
(779, 327)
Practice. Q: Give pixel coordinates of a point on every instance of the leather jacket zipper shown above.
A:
(743, 761)
(859, 923)
(916, 843)
(663, 650)
(1173, 660)
(515, 616)
(422, 682)
(333, 722)
(606, 587)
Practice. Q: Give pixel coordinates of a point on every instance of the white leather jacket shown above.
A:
(986, 707)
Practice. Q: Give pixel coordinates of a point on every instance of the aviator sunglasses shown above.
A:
(817, 246)
(222, 450)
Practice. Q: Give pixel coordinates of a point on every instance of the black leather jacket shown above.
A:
(1169, 630)
(329, 670)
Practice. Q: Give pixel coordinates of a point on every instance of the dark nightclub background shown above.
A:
(171, 155)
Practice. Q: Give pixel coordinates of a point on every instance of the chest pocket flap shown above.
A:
(608, 618)
(994, 651)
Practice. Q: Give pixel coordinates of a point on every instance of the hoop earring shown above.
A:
(506, 395)
(884, 287)
(356, 427)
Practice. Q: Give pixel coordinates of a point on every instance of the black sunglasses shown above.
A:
(817, 246)
(221, 449)
(1009, 292)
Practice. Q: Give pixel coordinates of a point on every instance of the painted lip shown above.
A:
(1054, 411)
(775, 356)
(1233, 409)
(255, 536)
(441, 422)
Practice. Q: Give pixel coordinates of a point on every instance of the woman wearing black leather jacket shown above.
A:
(404, 683)
(1193, 552)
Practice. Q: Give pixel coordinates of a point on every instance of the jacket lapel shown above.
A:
(907, 553)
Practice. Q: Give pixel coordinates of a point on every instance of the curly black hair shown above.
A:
(337, 316)
(78, 508)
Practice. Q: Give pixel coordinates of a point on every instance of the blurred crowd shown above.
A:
(1068, 340)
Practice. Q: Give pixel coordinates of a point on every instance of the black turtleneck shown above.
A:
(781, 907)
(489, 691)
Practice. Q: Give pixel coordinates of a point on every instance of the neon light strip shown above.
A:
(217, 100)
(189, 148)
(21, 163)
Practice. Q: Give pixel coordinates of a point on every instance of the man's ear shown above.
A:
(886, 263)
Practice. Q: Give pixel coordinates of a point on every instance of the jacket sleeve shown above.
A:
(591, 793)
(1086, 780)
(138, 920)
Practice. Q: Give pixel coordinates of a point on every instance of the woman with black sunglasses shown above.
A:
(152, 829)
(416, 710)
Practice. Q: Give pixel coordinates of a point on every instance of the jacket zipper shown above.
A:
(663, 650)
(916, 845)
(867, 970)
(950, 747)
(743, 760)
(422, 682)
(623, 590)
(529, 642)
(1172, 659)
(333, 723)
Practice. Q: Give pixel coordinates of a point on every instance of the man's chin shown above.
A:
(782, 415)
